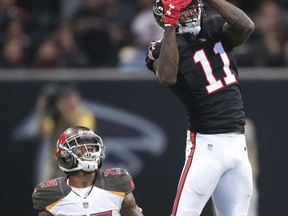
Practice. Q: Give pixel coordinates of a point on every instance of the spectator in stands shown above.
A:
(101, 29)
(270, 35)
(12, 56)
(143, 29)
(111, 33)
(47, 55)
(68, 53)
(119, 15)
(15, 31)
(92, 32)
(143, 26)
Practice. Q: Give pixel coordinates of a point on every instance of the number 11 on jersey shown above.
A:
(214, 85)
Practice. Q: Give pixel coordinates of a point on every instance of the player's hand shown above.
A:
(65, 158)
(172, 10)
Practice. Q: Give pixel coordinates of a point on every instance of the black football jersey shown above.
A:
(207, 81)
(104, 198)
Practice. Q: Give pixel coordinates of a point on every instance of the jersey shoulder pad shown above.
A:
(116, 180)
(49, 192)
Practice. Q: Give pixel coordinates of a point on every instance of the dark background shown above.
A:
(265, 101)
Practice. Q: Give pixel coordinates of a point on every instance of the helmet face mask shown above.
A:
(158, 12)
(190, 25)
(79, 148)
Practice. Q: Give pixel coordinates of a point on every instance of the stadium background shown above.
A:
(265, 94)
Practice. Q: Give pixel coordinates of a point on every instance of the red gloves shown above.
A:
(172, 10)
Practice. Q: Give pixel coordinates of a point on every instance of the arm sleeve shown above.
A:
(48, 192)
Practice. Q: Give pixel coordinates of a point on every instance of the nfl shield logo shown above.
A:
(85, 205)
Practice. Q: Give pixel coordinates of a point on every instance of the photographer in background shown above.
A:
(58, 107)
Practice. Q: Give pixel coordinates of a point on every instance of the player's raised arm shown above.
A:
(238, 27)
(166, 66)
(129, 206)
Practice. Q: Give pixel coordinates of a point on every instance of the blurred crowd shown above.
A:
(115, 33)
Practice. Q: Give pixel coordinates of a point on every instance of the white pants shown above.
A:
(218, 166)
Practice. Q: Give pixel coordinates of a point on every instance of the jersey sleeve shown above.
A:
(116, 180)
(152, 54)
(213, 28)
(47, 193)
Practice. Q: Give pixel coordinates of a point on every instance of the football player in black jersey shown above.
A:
(86, 190)
(195, 60)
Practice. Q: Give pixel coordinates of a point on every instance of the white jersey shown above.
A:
(104, 198)
(108, 203)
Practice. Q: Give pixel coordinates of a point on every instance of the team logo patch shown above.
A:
(112, 171)
(85, 205)
(210, 147)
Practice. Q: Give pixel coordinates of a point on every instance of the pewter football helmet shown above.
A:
(83, 140)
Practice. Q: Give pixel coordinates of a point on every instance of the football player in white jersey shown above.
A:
(86, 190)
